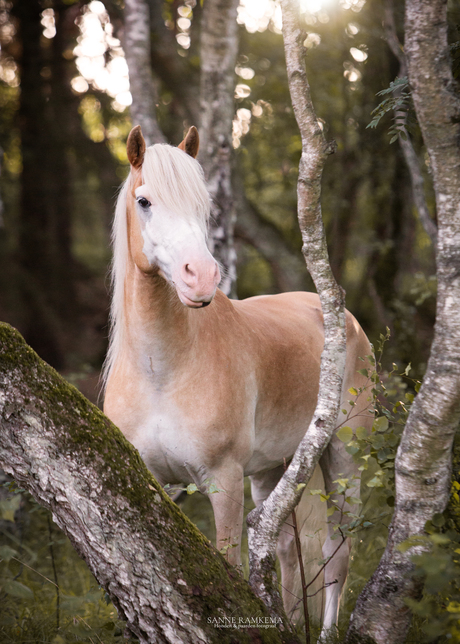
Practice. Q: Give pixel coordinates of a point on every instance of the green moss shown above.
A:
(212, 585)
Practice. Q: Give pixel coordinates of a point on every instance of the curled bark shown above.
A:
(423, 462)
(264, 524)
(163, 576)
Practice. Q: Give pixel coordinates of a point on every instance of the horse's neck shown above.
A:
(157, 326)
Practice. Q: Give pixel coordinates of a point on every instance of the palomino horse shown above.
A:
(211, 394)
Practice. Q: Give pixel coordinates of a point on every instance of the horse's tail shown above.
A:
(311, 522)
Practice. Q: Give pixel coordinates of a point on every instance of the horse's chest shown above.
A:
(164, 443)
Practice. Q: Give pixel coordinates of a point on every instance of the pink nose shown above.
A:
(201, 277)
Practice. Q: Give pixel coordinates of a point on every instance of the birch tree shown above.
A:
(165, 579)
(265, 523)
(137, 50)
(423, 463)
(218, 52)
(219, 48)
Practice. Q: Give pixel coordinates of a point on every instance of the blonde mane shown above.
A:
(174, 180)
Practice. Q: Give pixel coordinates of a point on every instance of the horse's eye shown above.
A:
(143, 202)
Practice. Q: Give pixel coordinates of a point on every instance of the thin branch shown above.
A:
(264, 523)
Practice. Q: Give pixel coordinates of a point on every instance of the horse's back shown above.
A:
(296, 318)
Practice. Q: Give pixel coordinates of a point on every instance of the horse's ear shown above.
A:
(135, 147)
(191, 143)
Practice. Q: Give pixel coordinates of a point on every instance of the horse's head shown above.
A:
(168, 207)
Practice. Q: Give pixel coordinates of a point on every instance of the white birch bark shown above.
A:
(136, 43)
(423, 462)
(219, 48)
(264, 524)
(165, 579)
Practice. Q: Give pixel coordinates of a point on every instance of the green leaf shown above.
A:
(364, 372)
(8, 507)
(330, 511)
(192, 488)
(345, 434)
(352, 448)
(7, 553)
(377, 440)
(438, 520)
(16, 589)
(380, 424)
(212, 489)
(353, 500)
(353, 391)
(300, 487)
(375, 482)
(361, 433)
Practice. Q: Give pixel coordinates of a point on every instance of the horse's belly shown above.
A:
(274, 445)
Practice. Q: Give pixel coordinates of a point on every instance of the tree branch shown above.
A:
(287, 266)
(266, 521)
(163, 576)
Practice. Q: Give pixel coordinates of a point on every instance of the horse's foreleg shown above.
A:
(228, 506)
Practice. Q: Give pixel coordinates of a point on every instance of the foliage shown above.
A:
(400, 104)
(437, 562)
(46, 592)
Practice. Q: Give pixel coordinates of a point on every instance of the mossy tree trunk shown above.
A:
(423, 463)
(162, 574)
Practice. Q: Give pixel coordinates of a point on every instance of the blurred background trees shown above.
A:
(64, 94)
(64, 120)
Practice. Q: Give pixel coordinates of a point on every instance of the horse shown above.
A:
(211, 390)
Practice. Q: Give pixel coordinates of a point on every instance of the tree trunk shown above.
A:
(48, 287)
(164, 577)
(137, 48)
(423, 462)
(264, 523)
(219, 48)
(410, 156)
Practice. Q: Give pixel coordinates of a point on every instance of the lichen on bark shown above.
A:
(163, 575)
(423, 462)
